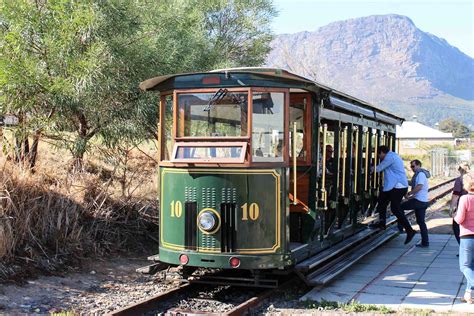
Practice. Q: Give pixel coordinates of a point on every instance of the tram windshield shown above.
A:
(214, 127)
(220, 114)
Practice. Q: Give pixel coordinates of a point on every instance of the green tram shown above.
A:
(261, 169)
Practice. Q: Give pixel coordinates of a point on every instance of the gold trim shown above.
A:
(227, 171)
(356, 160)
(208, 209)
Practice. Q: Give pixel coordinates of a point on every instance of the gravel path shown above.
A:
(106, 285)
(101, 286)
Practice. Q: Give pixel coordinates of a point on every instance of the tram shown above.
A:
(261, 168)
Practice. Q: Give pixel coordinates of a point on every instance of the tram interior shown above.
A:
(346, 153)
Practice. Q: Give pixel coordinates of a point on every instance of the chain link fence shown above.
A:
(445, 162)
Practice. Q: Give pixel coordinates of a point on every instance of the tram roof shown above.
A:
(277, 73)
(154, 83)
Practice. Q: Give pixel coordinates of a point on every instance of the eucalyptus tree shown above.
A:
(48, 58)
(70, 69)
(238, 30)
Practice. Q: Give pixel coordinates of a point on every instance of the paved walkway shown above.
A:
(403, 277)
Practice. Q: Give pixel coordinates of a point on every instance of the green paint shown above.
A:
(259, 201)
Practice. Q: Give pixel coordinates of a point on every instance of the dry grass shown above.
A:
(51, 217)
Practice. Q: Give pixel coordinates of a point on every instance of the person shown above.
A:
(417, 199)
(458, 191)
(329, 160)
(465, 218)
(394, 189)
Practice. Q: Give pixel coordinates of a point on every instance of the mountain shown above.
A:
(386, 60)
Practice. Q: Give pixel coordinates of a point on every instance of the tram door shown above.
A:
(337, 176)
(300, 149)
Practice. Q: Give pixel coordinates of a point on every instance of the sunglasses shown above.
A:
(412, 166)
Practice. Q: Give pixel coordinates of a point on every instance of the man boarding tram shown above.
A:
(394, 189)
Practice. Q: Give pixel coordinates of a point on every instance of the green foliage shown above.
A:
(418, 312)
(238, 30)
(71, 69)
(458, 129)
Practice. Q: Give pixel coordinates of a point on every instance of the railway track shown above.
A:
(243, 300)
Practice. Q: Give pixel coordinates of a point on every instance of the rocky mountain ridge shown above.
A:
(386, 60)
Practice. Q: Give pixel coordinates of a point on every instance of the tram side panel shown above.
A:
(248, 207)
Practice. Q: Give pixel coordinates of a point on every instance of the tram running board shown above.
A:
(333, 268)
(335, 250)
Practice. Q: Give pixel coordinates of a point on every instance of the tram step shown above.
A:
(328, 272)
(155, 258)
(152, 268)
(334, 251)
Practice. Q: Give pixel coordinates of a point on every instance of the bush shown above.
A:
(47, 221)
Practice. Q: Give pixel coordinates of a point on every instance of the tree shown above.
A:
(70, 69)
(238, 30)
(47, 58)
(458, 129)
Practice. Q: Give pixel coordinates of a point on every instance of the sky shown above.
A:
(451, 20)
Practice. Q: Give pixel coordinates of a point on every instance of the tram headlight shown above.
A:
(207, 221)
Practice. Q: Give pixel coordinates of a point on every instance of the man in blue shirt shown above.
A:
(418, 199)
(394, 189)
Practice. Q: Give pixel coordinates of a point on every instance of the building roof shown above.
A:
(415, 130)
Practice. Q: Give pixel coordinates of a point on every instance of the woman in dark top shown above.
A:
(458, 191)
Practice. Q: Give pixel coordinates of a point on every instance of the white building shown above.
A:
(415, 138)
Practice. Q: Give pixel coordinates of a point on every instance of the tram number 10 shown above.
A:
(176, 209)
(251, 211)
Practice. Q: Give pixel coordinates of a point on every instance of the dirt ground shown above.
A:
(104, 285)
(99, 287)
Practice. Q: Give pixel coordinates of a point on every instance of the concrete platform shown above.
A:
(403, 277)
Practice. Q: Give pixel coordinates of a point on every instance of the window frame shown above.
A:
(286, 135)
(161, 126)
(203, 138)
(307, 119)
(239, 160)
(216, 140)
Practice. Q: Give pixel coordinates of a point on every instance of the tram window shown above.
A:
(205, 115)
(204, 152)
(167, 122)
(268, 126)
(330, 150)
(297, 115)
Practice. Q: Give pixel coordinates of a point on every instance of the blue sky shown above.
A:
(451, 20)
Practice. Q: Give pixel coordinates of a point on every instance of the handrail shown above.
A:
(374, 185)
(366, 176)
(294, 164)
(344, 157)
(356, 159)
(323, 180)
